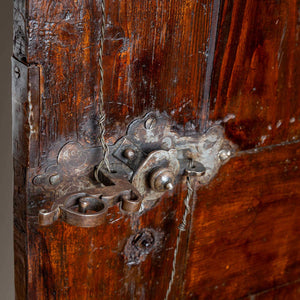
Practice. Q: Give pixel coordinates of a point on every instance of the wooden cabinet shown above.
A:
(233, 63)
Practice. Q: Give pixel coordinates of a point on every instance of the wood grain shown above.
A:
(244, 237)
(256, 77)
(78, 263)
(246, 226)
(287, 291)
(155, 58)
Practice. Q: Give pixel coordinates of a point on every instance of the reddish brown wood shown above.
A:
(245, 230)
(287, 291)
(244, 235)
(256, 72)
(154, 59)
(78, 263)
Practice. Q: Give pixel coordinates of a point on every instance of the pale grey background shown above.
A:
(6, 200)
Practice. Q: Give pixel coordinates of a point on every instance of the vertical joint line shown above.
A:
(209, 67)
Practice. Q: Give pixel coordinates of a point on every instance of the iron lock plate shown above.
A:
(149, 161)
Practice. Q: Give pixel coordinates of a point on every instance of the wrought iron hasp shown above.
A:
(149, 161)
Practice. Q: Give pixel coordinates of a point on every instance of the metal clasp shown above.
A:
(152, 158)
(88, 208)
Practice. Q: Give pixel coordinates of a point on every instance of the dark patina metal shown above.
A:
(149, 161)
(88, 208)
(139, 245)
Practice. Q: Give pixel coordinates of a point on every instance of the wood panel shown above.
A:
(245, 230)
(79, 263)
(255, 89)
(288, 291)
(246, 226)
(155, 58)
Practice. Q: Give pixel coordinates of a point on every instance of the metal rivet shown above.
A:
(38, 180)
(150, 123)
(169, 186)
(224, 154)
(54, 179)
(17, 72)
(129, 153)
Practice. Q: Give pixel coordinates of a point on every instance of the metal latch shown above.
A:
(147, 162)
(88, 208)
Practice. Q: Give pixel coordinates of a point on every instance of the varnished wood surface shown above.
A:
(246, 226)
(80, 263)
(243, 238)
(155, 57)
(256, 72)
(287, 291)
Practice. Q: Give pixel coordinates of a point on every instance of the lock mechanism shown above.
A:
(88, 208)
(148, 162)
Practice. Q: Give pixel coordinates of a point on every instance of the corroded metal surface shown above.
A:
(140, 245)
(88, 208)
(149, 146)
(157, 159)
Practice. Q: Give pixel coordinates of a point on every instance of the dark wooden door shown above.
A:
(234, 63)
